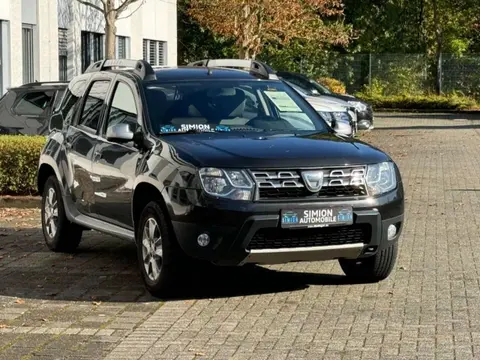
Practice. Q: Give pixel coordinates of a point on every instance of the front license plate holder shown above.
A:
(316, 217)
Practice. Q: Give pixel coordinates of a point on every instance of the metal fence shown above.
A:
(394, 74)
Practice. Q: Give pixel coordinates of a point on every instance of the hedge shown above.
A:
(18, 163)
(420, 102)
(333, 85)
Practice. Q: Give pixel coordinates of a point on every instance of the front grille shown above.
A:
(276, 238)
(289, 184)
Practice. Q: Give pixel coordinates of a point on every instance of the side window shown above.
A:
(92, 108)
(123, 109)
(58, 98)
(33, 103)
(71, 100)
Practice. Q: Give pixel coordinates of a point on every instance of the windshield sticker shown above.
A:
(222, 128)
(283, 101)
(201, 127)
(168, 128)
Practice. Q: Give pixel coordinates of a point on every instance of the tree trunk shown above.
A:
(110, 35)
(244, 53)
(438, 48)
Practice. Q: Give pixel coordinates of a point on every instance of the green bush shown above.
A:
(18, 164)
(419, 102)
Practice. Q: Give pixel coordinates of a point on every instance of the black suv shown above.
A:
(205, 164)
(26, 109)
(312, 88)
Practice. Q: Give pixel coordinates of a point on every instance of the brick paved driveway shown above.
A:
(92, 305)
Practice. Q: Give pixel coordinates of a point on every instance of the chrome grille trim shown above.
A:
(277, 179)
(334, 177)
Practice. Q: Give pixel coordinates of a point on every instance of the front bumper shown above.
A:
(365, 119)
(236, 230)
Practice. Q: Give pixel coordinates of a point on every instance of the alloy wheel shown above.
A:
(152, 252)
(51, 213)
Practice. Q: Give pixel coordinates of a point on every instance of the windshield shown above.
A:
(229, 105)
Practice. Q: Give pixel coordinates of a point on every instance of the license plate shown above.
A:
(318, 217)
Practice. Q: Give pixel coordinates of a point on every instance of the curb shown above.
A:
(20, 202)
(429, 111)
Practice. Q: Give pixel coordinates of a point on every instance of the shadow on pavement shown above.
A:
(105, 269)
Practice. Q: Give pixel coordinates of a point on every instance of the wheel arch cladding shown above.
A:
(44, 173)
(143, 194)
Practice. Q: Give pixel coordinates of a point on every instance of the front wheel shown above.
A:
(372, 269)
(60, 234)
(159, 256)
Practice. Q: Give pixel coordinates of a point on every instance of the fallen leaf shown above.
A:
(44, 320)
(96, 303)
(3, 326)
(20, 301)
(199, 354)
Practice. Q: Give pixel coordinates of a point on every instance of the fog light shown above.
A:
(392, 231)
(203, 240)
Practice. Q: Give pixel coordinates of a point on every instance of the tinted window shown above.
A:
(123, 109)
(34, 103)
(71, 100)
(233, 105)
(92, 108)
(58, 98)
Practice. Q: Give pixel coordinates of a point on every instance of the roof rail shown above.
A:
(141, 67)
(256, 68)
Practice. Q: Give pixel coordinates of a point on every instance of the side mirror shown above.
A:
(343, 128)
(56, 122)
(120, 133)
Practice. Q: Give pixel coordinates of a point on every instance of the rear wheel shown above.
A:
(372, 269)
(159, 257)
(60, 234)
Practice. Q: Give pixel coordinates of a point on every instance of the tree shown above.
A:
(195, 42)
(111, 13)
(252, 23)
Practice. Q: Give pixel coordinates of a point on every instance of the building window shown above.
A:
(92, 45)
(122, 47)
(27, 54)
(62, 54)
(154, 52)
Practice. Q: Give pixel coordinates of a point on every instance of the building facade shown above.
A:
(50, 40)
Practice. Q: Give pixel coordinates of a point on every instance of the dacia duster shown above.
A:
(214, 164)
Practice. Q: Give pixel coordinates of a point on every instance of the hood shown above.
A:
(321, 104)
(347, 97)
(247, 150)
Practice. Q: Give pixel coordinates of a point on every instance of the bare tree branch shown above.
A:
(124, 5)
(87, 3)
(133, 12)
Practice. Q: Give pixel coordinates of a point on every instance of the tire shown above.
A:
(372, 269)
(59, 233)
(159, 257)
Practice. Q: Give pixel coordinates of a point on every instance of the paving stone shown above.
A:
(92, 305)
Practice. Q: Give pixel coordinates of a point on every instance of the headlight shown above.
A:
(326, 116)
(381, 178)
(341, 116)
(228, 184)
(358, 105)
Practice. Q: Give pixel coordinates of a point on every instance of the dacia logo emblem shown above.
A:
(313, 180)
